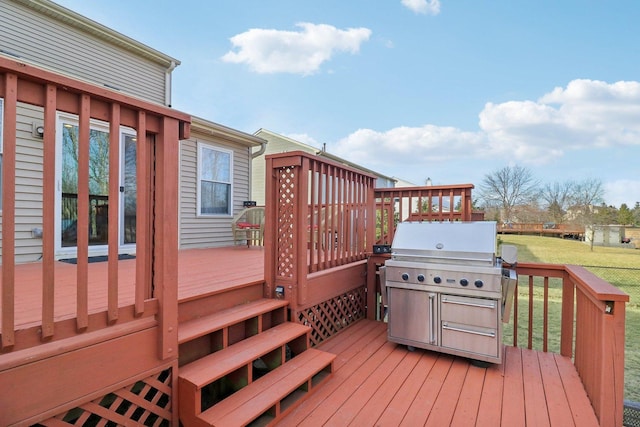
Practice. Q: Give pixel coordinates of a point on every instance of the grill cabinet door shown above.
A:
(412, 316)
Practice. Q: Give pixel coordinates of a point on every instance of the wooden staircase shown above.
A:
(246, 365)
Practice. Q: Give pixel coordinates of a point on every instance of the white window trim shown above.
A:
(100, 125)
(208, 146)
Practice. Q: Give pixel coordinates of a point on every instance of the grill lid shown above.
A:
(472, 243)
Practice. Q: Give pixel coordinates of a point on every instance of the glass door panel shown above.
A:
(129, 193)
(98, 186)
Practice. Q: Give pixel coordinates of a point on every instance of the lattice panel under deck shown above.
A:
(286, 202)
(144, 403)
(331, 316)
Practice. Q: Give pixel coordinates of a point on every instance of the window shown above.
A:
(214, 180)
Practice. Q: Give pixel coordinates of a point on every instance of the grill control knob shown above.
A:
(437, 279)
(464, 282)
(405, 276)
(479, 283)
(420, 277)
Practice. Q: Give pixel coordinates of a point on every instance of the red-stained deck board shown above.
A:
(425, 398)
(470, 396)
(513, 413)
(376, 405)
(399, 405)
(349, 408)
(383, 384)
(490, 409)
(536, 412)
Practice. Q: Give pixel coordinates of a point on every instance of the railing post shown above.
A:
(9, 210)
(568, 304)
(165, 240)
(300, 233)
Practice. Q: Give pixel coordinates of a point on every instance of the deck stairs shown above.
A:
(246, 365)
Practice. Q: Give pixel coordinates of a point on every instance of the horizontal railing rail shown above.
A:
(590, 321)
(428, 203)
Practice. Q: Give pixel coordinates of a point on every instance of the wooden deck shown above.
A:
(379, 383)
(200, 272)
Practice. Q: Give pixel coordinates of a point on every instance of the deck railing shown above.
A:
(561, 230)
(591, 328)
(429, 203)
(318, 231)
(158, 132)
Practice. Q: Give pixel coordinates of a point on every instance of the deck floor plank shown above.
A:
(399, 405)
(374, 408)
(466, 411)
(536, 411)
(581, 410)
(383, 384)
(490, 410)
(351, 406)
(554, 391)
(424, 400)
(513, 414)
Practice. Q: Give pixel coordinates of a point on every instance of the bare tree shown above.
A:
(509, 187)
(558, 197)
(588, 193)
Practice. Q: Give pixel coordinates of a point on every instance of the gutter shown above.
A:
(167, 83)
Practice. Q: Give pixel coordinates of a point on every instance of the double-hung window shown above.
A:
(215, 177)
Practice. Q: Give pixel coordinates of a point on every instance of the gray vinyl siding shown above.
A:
(201, 231)
(275, 144)
(47, 42)
(29, 156)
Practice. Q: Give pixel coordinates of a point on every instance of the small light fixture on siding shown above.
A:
(37, 129)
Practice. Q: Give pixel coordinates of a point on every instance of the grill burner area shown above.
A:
(445, 289)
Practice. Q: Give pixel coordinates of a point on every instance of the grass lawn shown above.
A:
(618, 266)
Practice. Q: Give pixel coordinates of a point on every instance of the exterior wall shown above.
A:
(46, 35)
(29, 156)
(275, 144)
(209, 231)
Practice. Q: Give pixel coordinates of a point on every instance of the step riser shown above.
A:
(206, 305)
(219, 347)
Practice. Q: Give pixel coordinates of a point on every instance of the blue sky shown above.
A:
(451, 90)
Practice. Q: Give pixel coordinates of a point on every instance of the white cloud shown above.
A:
(586, 115)
(408, 145)
(297, 52)
(622, 191)
(427, 7)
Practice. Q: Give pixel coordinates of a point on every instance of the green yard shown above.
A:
(619, 266)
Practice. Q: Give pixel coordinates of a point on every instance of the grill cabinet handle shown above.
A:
(491, 305)
(468, 331)
(432, 319)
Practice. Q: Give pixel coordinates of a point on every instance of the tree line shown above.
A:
(514, 194)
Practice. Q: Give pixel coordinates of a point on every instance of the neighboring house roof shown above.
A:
(402, 183)
(203, 126)
(87, 25)
(320, 152)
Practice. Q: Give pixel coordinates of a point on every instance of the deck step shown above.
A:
(274, 395)
(199, 327)
(233, 367)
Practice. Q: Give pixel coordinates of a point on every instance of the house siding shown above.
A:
(275, 144)
(29, 160)
(42, 40)
(203, 231)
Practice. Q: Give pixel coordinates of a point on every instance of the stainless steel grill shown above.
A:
(446, 290)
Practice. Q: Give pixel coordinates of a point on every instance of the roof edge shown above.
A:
(96, 29)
